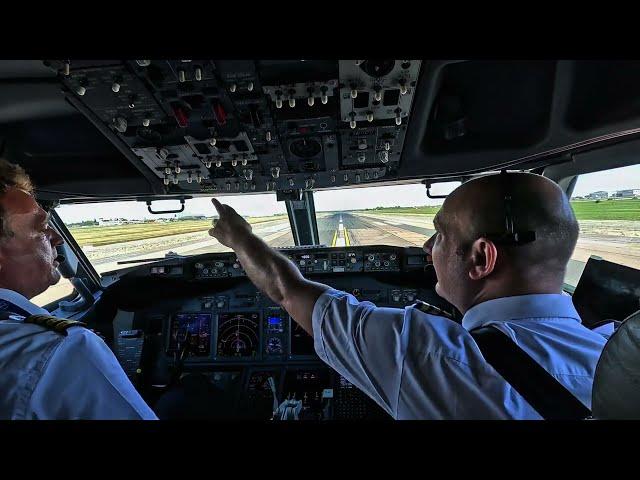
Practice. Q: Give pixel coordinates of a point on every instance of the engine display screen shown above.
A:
(195, 330)
(238, 335)
(301, 341)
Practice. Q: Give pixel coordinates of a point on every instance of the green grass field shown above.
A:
(627, 209)
(107, 235)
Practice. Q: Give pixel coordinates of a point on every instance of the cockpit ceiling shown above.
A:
(113, 127)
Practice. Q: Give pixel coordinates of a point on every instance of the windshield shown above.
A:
(110, 233)
(398, 215)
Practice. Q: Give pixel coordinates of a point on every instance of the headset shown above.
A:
(510, 236)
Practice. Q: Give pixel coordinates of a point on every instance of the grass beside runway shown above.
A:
(107, 235)
(627, 209)
(612, 209)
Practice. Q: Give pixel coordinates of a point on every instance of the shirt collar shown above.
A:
(548, 305)
(21, 301)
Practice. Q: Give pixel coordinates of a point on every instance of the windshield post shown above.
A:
(302, 216)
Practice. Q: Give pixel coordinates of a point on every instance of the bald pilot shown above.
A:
(421, 366)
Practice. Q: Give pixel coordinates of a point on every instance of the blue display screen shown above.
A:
(275, 325)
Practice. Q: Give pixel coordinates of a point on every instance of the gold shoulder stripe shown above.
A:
(58, 325)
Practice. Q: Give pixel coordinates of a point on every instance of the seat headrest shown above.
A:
(616, 383)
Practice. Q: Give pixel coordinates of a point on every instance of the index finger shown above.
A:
(218, 206)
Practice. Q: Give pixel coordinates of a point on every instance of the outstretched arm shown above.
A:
(270, 271)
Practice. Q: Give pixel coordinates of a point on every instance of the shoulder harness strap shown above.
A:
(58, 325)
(551, 399)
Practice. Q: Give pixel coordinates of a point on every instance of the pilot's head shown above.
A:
(475, 257)
(27, 244)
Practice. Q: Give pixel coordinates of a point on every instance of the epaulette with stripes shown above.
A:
(58, 325)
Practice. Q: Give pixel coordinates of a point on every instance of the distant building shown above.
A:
(630, 193)
(597, 195)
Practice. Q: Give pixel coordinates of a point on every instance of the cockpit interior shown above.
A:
(339, 164)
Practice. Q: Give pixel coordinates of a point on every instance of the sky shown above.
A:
(609, 181)
(344, 199)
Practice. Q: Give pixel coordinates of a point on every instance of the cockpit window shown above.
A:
(110, 233)
(607, 206)
(398, 215)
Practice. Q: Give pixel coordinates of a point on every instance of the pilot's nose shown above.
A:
(428, 245)
(56, 238)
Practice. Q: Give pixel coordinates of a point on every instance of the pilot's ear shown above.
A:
(483, 258)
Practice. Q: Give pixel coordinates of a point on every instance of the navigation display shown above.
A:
(238, 335)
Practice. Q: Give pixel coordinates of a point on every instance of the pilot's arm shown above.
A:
(269, 270)
(355, 338)
(83, 380)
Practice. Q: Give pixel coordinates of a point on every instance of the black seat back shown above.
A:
(616, 384)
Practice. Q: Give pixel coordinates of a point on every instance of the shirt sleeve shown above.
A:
(362, 342)
(83, 380)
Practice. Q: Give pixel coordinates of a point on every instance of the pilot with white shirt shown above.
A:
(500, 252)
(50, 368)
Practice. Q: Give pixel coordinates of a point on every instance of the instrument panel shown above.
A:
(217, 322)
(240, 324)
